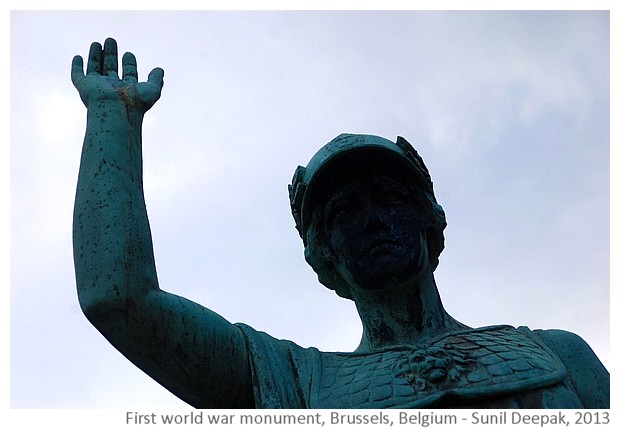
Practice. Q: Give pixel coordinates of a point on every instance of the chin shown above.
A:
(383, 272)
(387, 278)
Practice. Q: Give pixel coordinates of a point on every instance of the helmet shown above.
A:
(347, 150)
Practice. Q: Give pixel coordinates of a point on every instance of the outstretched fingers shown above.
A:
(102, 77)
(130, 68)
(110, 58)
(95, 57)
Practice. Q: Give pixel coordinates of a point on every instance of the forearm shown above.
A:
(111, 236)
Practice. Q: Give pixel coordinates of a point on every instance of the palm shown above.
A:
(101, 81)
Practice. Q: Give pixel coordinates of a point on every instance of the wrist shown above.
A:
(113, 116)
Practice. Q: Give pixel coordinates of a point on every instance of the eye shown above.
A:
(392, 198)
(339, 211)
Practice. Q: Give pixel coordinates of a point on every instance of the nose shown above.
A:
(375, 220)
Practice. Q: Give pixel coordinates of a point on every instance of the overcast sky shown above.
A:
(510, 111)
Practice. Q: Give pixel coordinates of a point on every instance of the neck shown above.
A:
(406, 314)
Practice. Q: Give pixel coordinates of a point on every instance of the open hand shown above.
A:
(102, 84)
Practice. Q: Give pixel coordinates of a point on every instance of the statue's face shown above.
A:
(374, 232)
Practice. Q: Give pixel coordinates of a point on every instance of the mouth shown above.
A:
(383, 246)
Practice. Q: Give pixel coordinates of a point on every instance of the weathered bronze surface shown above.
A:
(372, 230)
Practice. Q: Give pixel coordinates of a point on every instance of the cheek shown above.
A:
(339, 244)
(345, 245)
(410, 224)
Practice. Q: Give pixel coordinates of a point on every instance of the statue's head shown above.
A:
(366, 211)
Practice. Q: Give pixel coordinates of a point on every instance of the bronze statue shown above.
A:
(372, 230)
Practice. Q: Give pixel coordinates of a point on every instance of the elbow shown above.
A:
(100, 308)
(100, 300)
(111, 308)
(98, 311)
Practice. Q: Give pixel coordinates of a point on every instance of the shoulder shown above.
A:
(282, 371)
(571, 348)
(565, 343)
(584, 369)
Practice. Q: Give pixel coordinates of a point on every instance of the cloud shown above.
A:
(509, 110)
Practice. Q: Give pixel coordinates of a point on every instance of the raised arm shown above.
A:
(193, 352)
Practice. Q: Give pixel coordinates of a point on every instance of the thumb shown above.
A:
(156, 77)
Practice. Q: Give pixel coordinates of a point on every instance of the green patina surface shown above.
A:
(372, 230)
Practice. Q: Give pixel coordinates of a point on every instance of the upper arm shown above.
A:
(189, 349)
(585, 370)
